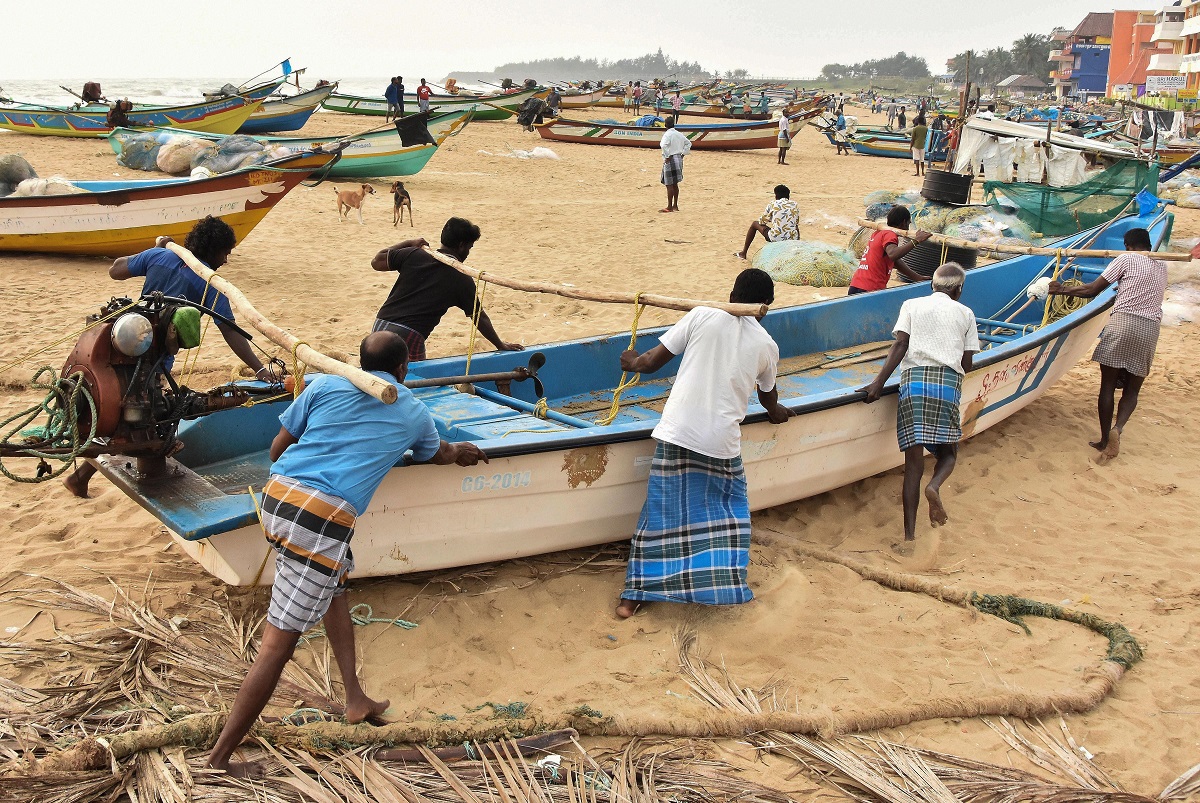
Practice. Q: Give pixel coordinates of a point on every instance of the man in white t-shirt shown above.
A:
(674, 147)
(1127, 344)
(693, 537)
(936, 341)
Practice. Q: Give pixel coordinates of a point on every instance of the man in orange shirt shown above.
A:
(423, 94)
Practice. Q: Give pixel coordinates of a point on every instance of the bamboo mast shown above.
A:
(602, 296)
(1005, 248)
(373, 385)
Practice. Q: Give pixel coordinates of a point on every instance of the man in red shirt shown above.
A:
(423, 93)
(885, 252)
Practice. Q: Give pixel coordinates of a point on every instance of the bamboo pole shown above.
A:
(1004, 248)
(384, 391)
(602, 296)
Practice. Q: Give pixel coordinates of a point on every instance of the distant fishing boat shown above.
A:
(489, 107)
(373, 154)
(584, 100)
(710, 136)
(288, 113)
(221, 116)
(897, 146)
(117, 218)
(564, 481)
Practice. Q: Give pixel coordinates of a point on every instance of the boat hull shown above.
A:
(119, 221)
(727, 137)
(495, 107)
(548, 488)
(222, 116)
(286, 114)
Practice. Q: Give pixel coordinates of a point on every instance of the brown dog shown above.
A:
(401, 199)
(352, 199)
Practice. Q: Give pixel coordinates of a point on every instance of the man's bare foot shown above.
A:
(1111, 450)
(904, 548)
(1099, 445)
(627, 608)
(937, 511)
(668, 209)
(740, 254)
(76, 486)
(242, 769)
(364, 709)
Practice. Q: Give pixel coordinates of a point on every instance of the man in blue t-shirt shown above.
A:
(334, 449)
(211, 240)
(392, 96)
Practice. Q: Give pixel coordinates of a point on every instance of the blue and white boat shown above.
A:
(288, 112)
(563, 481)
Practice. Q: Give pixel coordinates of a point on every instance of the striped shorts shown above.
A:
(310, 531)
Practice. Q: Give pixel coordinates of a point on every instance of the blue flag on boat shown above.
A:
(287, 66)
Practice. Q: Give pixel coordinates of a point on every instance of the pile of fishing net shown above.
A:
(55, 185)
(182, 155)
(803, 262)
(880, 202)
(1183, 189)
(13, 170)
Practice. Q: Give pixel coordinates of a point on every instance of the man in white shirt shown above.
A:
(936, 341)
(674, 147)
(692, 542)
(1127, 344)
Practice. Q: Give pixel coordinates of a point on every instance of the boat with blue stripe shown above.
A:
(561, 480)
(286, 113)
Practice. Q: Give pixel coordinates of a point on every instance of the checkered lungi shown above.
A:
(928, 413)
(310, 532)
(783, 140)
(1128, 341)
(412, 338)
(693, 537)
(672, 172)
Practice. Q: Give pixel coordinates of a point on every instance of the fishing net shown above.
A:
(177, 154)
(55, 185)
(233, 153)
(139, 151)
(1067, 210)
(14, 169)
(800, 262)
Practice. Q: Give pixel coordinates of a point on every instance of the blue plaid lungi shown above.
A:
(672, 172)
(928, 413)
(693, 537)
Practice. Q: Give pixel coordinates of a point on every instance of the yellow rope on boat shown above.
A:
(297, 371)
(258, 513)
(622, 386)
(480, 292)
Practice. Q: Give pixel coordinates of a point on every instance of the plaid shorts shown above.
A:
(310, 531)
(928, 413)
(1129, 342)
(672, 172)
(412, 338)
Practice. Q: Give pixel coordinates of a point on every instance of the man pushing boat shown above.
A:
(426, 289)
(936, 341)
(333, 449)
(692, 542)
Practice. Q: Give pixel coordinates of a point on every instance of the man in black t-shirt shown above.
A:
(426, 289)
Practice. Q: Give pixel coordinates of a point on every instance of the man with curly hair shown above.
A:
(211, 240)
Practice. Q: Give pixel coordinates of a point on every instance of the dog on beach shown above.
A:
(402, 199)
(352, 199)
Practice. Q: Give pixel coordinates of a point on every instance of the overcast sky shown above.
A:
(233, 39)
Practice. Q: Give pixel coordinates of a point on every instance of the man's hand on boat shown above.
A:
(873, 391)
(776, 412)
(463, 454)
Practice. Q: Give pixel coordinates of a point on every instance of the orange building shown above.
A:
(1132, 47)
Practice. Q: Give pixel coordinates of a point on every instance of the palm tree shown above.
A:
(1030, 53)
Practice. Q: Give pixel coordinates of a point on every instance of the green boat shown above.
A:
(490, 107)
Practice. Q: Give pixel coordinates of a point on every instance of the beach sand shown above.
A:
(1030, 513)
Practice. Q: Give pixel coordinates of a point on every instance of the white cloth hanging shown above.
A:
(1030, 160)
(1065, 167)
(997, 159)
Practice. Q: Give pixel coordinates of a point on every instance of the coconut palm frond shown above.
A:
(1182, 787)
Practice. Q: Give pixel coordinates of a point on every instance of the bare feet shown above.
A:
(904, 548)
(937, 511)
(75, 485)
(740, 254)
(365, 708)
(1111, 449)
(627, 608)
(242, 769)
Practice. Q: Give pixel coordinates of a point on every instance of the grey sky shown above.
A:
(233, 39)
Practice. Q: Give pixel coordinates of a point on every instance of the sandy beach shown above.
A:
(1031, 514)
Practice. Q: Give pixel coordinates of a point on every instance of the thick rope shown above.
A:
(61, 430)
(298, 370)
(615, 409)
(480, 292)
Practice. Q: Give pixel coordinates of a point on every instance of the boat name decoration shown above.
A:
(1002, 376)
(507, 481)
(257, 178)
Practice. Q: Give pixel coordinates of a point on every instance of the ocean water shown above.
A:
(169, 91)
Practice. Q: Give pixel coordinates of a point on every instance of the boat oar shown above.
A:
(519, 374)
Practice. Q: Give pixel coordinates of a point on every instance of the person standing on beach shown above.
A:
(637, 97)
(628, 107)
(892, 108)
(784, 140)
(1129, 339)
(692, 542)
(400, 93)
(936, 341)
(676, 102)
(901, 119)
(211, 240)
(335, 446)
(885, 252)
(392, 96)
(426, 289)
(780, 221)
(674, 147)
(423, 95)
(659, 97)
(920, 134)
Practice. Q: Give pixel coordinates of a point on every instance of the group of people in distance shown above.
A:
(394, 95)
(692, 539)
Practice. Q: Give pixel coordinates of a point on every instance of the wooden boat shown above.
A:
(566, 482)
(895, 146)
(258, 91)
(288, 113)
(489, 107)
(222, 116)
(374, 154)
(584, 100)
(715, 137)
(117, 218)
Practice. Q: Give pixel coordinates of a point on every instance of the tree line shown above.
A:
(650, 65)
(1028, 55)
(900, 65)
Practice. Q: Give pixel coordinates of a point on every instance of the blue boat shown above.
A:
(565, 481)
(288, 113)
